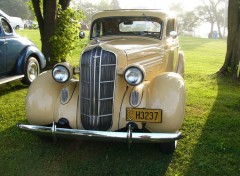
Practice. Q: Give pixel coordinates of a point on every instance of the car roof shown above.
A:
(131, 12)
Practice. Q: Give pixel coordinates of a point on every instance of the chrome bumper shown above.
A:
(128, 136)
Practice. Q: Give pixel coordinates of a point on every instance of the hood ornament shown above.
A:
(97, 41)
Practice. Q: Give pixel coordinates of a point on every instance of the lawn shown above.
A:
(210, 145)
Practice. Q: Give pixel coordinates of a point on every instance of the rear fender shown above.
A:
(25, 54)
(167, 92)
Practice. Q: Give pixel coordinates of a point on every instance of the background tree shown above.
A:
(212, 11)
(187, 21)
(232, 59)
(91, 8)
(103, 5)
(114, 4)
(16, 8)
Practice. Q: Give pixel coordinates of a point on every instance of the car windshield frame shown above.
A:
(124, 26)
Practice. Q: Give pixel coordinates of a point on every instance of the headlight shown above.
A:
(133, 76)
(60, 73)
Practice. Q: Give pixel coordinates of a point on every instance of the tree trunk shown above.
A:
(216, 15)
(219, 30)
(38, 13)
(211, 29)
(47, 19)
(50, 18)
(64, 4)
(210, 35)
(231, 64)
(47, 22)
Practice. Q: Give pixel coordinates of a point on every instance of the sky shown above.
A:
(152, 4)
(155, 4)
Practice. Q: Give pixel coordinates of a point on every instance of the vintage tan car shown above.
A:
(130, 86)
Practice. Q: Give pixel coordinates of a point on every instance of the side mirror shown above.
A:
(173, 34)
(81, 35)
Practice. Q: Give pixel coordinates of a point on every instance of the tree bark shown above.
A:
(38, 13)
(219, 31)
(50, 17)
(47, 19)
(47, 22)
(231, 64)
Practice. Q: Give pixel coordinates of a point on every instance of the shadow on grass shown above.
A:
(25, 154)
(11, 87)
(218, 149)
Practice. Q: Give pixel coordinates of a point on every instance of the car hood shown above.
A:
(134, 47)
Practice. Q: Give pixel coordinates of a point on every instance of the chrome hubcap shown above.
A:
(32, 71)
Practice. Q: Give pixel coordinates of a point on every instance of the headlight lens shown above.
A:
(133, 76)
(60, 73)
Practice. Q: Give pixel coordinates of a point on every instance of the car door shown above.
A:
(3, 50)
(14, 45)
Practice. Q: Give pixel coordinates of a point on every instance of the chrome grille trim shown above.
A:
(97, 79)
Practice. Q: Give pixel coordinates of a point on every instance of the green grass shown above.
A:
(32, 35)
(203, 55)
(210, 146)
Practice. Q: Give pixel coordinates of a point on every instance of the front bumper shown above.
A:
(128, 136)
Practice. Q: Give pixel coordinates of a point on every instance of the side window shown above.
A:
(6, 26)
(170, 26)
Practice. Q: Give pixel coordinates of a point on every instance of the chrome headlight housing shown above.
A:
(60, 73)
(133, 76)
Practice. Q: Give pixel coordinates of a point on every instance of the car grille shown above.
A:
(97, 78)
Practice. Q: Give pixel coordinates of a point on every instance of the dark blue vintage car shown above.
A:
(19, 57)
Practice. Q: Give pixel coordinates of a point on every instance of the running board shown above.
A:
(6, 79)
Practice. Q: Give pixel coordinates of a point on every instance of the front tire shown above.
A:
(31, 70)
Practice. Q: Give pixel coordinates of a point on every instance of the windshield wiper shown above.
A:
(149, 19)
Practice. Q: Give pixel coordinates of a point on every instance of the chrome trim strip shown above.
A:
(107, 81)
(128, 136)
(99, 83)
(106, 99)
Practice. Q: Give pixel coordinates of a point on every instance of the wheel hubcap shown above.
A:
(32, 71)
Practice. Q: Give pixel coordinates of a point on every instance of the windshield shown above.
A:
(142, 26)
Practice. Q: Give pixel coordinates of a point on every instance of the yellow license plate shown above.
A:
(144, 115)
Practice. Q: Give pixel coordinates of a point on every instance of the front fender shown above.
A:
(24, 55)
(41, 99)
(167, 92)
